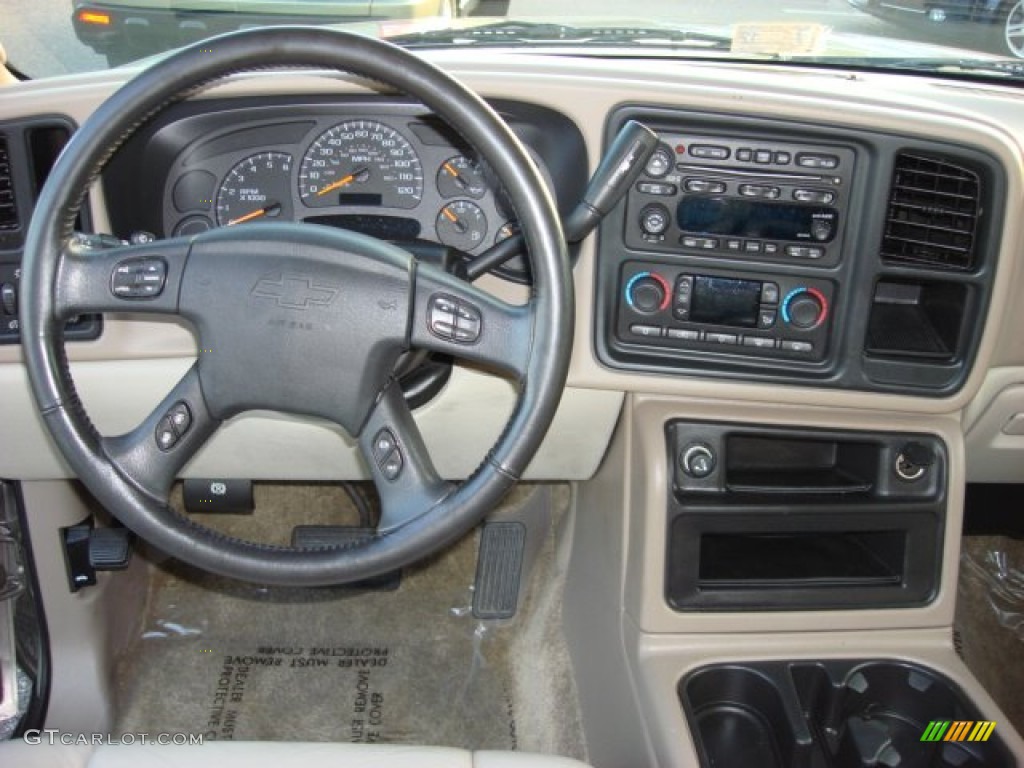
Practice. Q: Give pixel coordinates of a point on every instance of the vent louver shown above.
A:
(933, 213)
(8, 208)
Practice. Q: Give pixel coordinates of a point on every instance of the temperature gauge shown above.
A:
(461, 225)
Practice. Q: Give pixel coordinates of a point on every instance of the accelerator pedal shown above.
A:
(499, 568)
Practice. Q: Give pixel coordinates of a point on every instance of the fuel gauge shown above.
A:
(461, 224)
(461, 177)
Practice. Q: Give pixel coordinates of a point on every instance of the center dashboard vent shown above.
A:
(8, 210)
(933, 213)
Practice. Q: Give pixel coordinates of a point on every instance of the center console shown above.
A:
(759, 250)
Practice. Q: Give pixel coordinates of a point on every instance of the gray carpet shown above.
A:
(990, 618)
(239, 662)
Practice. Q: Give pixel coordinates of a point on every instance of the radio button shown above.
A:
(815, 160)
(708, 243)
(821, 196)
(680, 312)
(771, 248)
(821, 229)
(783, 158)
(763, 156)
(766, 318)
(769, 293)
(651, 331)
(683, 334)
(761, 342)
(796, 346)
(752, 246)
(709, 151)
(659, 163)
(689, 242)
(744, 155)
(733, 244)
(654, 188)
(805, 251)
(704, 186)
(760, 190)
(721, 338)
(655, 219)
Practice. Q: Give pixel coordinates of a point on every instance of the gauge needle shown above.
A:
(267, 210)
(456, 176)
(342, 182)
(459, 226)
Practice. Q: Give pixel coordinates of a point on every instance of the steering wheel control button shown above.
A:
(467, 323)
(697, 460)
(173, 426)
(9, 298)
(181, 418)
(166, 438)
(391, 466)
(139, 278)
(454, 320)
(383, 444)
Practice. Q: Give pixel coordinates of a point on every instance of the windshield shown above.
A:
(976, 37)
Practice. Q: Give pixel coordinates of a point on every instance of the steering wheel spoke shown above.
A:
(155, 451)
(399, 463)
(459, 319)
(129, 278)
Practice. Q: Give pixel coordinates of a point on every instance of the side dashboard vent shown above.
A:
(933, 212)
(8, 209)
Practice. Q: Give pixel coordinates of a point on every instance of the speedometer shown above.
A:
(361, 162)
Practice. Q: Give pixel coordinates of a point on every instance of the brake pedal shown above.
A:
(325, 536)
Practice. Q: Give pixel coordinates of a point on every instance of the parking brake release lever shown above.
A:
(621, 165)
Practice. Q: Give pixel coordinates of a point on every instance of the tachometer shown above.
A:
(258, 187)
(361, 162)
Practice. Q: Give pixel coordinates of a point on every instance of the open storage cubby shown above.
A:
(916, 319)
(782, 519)
(834, 714)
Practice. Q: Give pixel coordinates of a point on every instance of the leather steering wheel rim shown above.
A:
(107, 474)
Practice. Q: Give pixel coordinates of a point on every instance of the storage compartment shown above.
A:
(775, 464)
(772, 519)
(808, 558)
(836, 714)
(920, 320)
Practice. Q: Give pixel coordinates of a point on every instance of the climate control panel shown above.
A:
(730, 312)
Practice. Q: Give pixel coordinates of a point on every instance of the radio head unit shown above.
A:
(709, 195)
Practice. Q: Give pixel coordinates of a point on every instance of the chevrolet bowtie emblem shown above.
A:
(295, 291)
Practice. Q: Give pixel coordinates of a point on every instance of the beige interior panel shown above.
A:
(459, 427)
(647, 525)
(995, 429)
(86, 628)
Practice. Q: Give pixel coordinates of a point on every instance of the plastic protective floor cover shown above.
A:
(234, 661)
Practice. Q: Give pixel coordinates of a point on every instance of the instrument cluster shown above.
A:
(394, 176)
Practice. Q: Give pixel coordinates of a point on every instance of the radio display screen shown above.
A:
(732, 217)
(725, 301)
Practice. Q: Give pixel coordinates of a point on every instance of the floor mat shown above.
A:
(412, 665)
(990, 618)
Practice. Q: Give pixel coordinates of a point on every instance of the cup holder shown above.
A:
(831, 714)
(738, 712)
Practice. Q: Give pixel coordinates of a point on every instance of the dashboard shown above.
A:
(195, 165)
(385, 168)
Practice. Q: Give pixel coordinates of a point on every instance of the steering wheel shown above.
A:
(294, 318)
